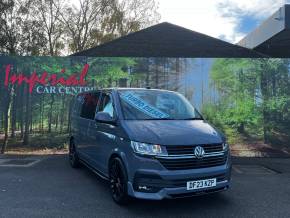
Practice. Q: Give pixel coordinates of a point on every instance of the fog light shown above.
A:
(147, 189)
(144, 188)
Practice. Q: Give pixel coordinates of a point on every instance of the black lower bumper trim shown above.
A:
(192, 194)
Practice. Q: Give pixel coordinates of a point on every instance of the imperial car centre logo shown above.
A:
(49, 83)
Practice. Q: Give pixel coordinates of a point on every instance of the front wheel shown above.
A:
(118, 181)
(73, 156)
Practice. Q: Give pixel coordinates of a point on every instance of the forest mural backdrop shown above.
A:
(248, 99)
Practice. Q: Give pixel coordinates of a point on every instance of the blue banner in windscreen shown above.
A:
(143, 106)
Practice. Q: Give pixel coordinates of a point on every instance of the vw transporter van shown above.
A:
(148, 143)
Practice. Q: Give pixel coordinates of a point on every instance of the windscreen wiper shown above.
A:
(193, 118)
(164, 118)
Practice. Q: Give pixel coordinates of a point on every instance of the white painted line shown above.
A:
(34, 161)
(269, 170)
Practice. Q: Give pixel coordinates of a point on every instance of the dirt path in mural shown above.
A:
(259, 149)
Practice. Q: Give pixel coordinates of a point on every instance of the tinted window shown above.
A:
(156, 105)
(89, 104)
(106, 105)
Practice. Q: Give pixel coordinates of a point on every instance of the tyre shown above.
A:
(73, 156)
(118, 181)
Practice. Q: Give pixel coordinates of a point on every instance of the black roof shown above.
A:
(168, 40)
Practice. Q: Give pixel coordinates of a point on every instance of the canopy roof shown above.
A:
(168, 40)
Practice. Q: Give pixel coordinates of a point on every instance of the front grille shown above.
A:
(189, 149)
(193, 163)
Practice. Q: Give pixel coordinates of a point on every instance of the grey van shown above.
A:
(148, 143)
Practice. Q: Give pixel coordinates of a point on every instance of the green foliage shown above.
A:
(253, 97)
(108, 71)
(56, 27)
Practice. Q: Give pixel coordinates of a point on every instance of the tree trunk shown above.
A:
(56, 122)
(50, 113)
(265, 97)
(13, 115)
(6, 127)
(6, 121)
(147, 72)
(31, 120)
(22, 113)
(2, 121)
(69, 117)
(62, 112)
(156, 76)
(42, 113)
(27, 119)
(241, 128)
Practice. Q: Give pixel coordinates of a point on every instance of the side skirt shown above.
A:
(98, 173)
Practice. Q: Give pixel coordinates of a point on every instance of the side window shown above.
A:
(89, 105)
(106, 105)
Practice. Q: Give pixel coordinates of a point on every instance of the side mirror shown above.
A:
(104, 117)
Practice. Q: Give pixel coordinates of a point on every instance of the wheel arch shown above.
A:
(121, 156)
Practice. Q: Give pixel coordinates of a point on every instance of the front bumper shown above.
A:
(157, 185)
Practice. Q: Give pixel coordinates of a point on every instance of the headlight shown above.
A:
(148, 149)
(225, 146)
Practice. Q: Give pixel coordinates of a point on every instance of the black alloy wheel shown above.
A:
(118, 181)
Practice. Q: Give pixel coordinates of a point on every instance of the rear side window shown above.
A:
(106, 104)
(89, 105)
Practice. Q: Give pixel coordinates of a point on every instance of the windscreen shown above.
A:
(156, 105)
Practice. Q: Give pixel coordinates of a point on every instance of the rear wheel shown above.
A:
(73, 156)
(118, 181)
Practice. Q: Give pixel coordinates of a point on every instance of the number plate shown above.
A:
(200, 184)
